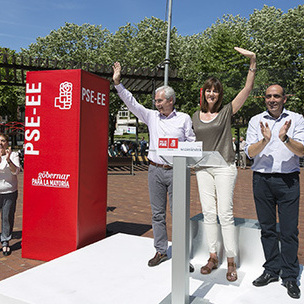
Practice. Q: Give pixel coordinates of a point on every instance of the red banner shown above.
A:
(65, 165)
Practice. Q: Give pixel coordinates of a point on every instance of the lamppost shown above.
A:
(167, 60)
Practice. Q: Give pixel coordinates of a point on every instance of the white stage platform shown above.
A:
(115, 271)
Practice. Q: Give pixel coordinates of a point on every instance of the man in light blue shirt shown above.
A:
(162, 123)
(275, 141)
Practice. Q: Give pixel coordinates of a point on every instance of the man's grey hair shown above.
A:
(169, 92)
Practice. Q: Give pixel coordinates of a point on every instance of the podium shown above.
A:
(182, 162)
(65, 165)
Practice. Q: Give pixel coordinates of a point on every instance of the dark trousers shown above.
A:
(282, 192)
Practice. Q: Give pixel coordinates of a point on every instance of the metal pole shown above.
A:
(180, 231)
(136, 138)
(167, 60)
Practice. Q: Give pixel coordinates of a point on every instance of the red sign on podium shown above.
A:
(65, 166)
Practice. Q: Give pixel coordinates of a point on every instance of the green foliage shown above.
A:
(276, 38)
(212, 54)
(85, 43)
(11, 98)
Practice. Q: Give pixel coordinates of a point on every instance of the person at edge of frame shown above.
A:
(275, 141)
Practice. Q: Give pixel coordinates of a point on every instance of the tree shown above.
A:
(80, 43)
(292, 56)
(11, 98)
(277, 39)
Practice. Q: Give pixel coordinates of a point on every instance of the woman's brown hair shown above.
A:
(5, 136)
(217, 85)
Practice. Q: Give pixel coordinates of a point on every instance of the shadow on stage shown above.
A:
(127, 228)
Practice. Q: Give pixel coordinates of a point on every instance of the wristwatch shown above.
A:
(286, 139)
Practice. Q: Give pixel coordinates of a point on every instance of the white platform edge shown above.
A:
(115, 270)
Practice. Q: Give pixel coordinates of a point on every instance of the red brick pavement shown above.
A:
(129, 212)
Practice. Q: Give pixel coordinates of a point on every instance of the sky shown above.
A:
(23, 21)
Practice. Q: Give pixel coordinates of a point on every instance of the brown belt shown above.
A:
(167, 167)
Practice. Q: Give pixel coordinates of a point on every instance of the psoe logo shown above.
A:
(173, 143)
(168, 143)
(64, 101)
(163, 143)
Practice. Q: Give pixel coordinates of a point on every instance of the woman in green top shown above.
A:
(212, 126)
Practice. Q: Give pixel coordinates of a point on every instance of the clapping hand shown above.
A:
(8, 153)
(265, 131)
(284, 129)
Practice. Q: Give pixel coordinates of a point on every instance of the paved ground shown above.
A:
(129, 212)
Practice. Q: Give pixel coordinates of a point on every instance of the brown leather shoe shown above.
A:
(157, 259)
(231, 275)
(212, 264)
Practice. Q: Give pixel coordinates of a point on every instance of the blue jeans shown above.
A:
(8, 206)
(282, 191)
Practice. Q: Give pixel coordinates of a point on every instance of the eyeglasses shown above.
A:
(275, 96)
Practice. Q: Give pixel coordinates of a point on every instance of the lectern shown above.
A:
(189, 155)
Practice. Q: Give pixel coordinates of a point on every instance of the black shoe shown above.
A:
(191, 268)
(6, 250)
(265, 279)
(157, 259)
(292, 289)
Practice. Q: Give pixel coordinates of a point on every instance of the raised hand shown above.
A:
(116, 73)
(245, 53)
